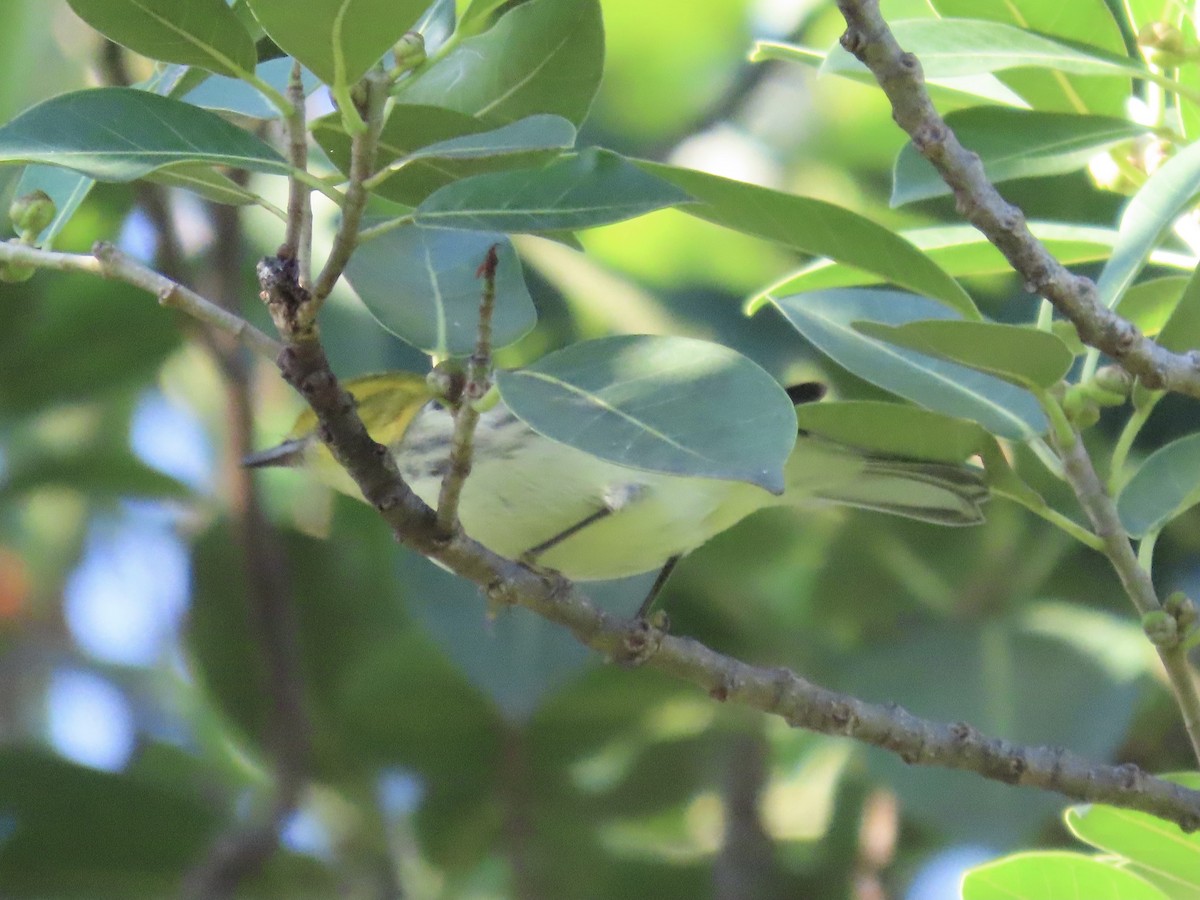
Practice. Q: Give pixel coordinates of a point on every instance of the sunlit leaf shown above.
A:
(1082, 21)
(1148, 217)
(1149, 842)
(155, 132)
(1052, 875)
(1151, 304)
(1012, 143)
(665, 404)
(970, 46)
(961, 251)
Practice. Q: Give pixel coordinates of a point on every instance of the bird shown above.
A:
(535, 499)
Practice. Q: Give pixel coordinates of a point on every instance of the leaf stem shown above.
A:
(375, 231)
(1120, 453)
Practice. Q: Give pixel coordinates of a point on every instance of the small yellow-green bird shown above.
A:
(534, 498)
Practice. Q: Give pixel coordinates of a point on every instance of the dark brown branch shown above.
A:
(899, 73)
(633, 642)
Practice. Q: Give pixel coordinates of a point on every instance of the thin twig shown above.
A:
(899, 74)
(466, 415)
(363, 145)
(1102, 513)
(107, 261)
(298, 240)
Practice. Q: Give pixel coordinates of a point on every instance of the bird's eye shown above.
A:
(806, 392)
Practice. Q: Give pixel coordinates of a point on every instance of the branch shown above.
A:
(1102, 512)
(298, 241)
(778, 691)
(373, 91)
(466, 415)
(107, 261)
(899, 74)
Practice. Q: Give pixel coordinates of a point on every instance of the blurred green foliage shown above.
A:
(461, 752)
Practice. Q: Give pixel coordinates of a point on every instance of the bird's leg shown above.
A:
(659, 583)
(533, 553)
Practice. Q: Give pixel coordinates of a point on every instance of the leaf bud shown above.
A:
(409, 51)
(1161, 628)
(1080, 407)
(31, 213)
(1162, 45)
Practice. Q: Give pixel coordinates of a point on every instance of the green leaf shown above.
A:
(478, 14)
(825, 318)
(1181, 332)
(208, 183)
(75, 131)
(98, 472)
(203, 33)
(421, 285)
(66, 188)
(1016, 353)
(1165, 485)
(663, 404)
(1151, 304)
(969, 88)
(948, 47)
(593, 187)
(1053, 875)
(893, 429)
(1084, 21)
(539, 132)
(817, 227)
(961, 250)
(1012, 143)
(337, 39)
(1147, 841)
(543, 56)
(1165, 196)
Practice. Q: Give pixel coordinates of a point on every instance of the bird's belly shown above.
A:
(522, 494)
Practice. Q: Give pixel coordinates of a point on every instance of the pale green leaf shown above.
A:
(203, 33)
(1165, 196)
(1016, 353)
(544, 56)
(1147, 841)
(826, 319)
(422, 285)
(337, 39)
(1165, 485)
(1082, 21)
(1012, 143)
(893, 429)
(208, 183)
(970, 46)
(962, 251)
(817, 227)
(663, 404)
(972, 88)
(1151, 304)
(1055, 875)
(75, 131)
(593, 187)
